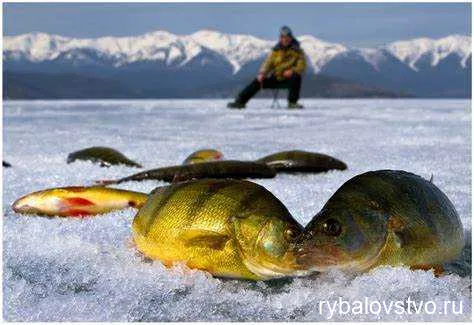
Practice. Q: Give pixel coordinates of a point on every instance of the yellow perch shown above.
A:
(230, 228)
(77, 201)
(203, 155)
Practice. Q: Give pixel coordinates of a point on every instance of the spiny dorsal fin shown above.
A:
(431, 178)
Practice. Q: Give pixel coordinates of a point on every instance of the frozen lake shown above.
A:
(84, 270)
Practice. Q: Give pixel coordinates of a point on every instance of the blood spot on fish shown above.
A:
(78, 201)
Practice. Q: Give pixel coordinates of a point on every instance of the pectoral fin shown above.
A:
(205, 238)
(438, 270)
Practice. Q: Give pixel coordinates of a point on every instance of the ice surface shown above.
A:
(85, 270)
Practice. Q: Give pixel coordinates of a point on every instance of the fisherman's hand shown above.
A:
(260, 77)
(288, 73)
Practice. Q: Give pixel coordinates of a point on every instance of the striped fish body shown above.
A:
(214, 169)
(302, 161)
(103, 155)
(230, 228)
(383, 217)
(203, 155)
(78, 201)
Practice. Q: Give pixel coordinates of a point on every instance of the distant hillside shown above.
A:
(23, 85)
(212, 64)
(56, 86)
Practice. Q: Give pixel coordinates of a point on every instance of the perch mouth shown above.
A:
(317, 258)
(20, 206)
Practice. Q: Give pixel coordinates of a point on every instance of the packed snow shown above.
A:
(58, 269)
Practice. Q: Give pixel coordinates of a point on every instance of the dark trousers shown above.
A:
(293, 85)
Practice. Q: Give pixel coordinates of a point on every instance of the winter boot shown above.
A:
(295, 106)
(236, 105)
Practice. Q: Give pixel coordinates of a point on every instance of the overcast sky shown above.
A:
(352, 24)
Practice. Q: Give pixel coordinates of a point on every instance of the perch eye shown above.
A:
(332, 227)
(290, 234)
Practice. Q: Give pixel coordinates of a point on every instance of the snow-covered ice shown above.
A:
(84, 270)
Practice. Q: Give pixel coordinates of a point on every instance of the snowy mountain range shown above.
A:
(206, 60)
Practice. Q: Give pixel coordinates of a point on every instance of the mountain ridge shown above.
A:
(149, 46)
(422, 66)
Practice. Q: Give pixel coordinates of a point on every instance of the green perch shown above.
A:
(385, 217)
(302, 161)
(213, 169)
(103, 155)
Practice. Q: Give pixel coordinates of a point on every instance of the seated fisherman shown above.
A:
(282, 68)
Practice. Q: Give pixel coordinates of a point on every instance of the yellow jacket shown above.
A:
(281, 59)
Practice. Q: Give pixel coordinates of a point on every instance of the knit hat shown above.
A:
(286, 31)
